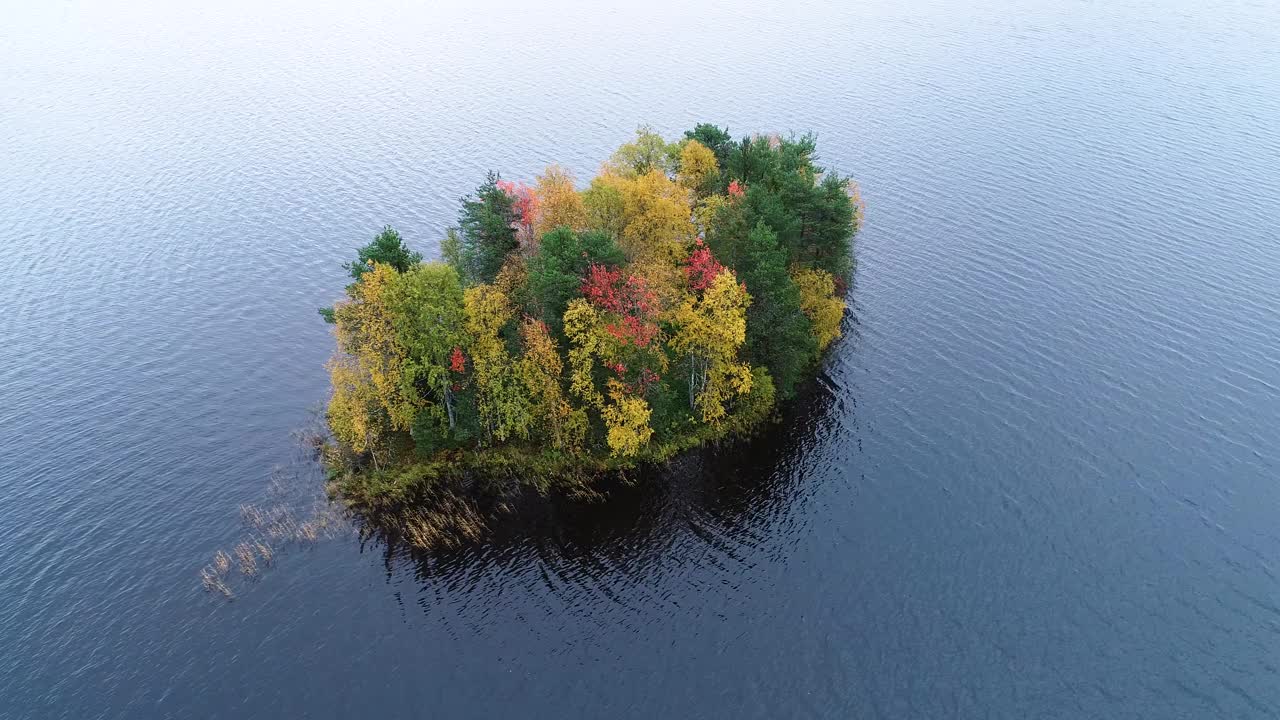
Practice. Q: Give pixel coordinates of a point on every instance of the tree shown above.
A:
(355, 417)
(657, 215)
(603, 204)
(451, 252)
(557, 269)
(828, 230)
(647, 153)
(426, 305)
(387, 248)
(488, 229)
(813, 212)
(817, 298)
(715, 139)
(561, 205)
(625, 413)
(628, 300)
(701, 268)
(658, 231)
(584, 327)
(366, 328)
(711, 329)
(626, 420)
(541, 368)
(698, 170)
(502, 401)
(525, 208)
(778, 330)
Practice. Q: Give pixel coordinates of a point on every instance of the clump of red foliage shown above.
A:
(627, 296)
(701, 267)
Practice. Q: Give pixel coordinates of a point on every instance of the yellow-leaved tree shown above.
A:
(625, 415)
(712, 329)
(657, 229)
(355, 416)
(559, 203)
(541, 370)
(698, 169)
(657, 216)
(583, 326)
(502, 402)
(649, 152)
(626, 420)
(365, 326)
(603, 204)
(818, 301)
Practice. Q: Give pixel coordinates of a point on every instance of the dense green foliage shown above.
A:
(672, 302)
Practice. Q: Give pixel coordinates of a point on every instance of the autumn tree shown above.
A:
(604, 206)
(502, 400)
(647, 153)
(817, 298)
(355, 416)
(697, 171)
(712, 327)
(560, 203)
(657, 231)
(366, 330)
(626, 419)
(584, 327)
(525, 210)
(426, 305)
(540, 368)
(593, 347)
(657, 216)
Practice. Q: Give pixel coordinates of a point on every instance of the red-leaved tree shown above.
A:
(626, 296)
(701, 267)
(526, 206)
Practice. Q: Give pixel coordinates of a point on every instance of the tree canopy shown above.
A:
(670, 302)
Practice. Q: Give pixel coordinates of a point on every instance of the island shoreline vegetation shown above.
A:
(571, 333)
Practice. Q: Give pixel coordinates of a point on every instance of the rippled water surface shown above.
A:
(1038, 478)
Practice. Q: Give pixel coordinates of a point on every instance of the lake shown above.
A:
(1036, 479)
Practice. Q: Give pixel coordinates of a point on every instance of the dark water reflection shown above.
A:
(731, 499)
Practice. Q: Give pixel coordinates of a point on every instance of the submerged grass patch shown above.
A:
(294, 514)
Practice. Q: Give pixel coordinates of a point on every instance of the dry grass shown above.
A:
(248, 561)
(215, 581)
(295, 513)
(265, 552)
(447, 521)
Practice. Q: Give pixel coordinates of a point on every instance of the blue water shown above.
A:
(1038, 477)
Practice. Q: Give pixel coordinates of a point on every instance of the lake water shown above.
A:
(1037, 479)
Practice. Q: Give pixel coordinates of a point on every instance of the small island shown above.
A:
(567, 333)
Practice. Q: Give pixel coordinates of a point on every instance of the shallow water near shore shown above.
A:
(1039, 477)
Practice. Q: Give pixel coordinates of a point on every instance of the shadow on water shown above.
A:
(730, 497)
